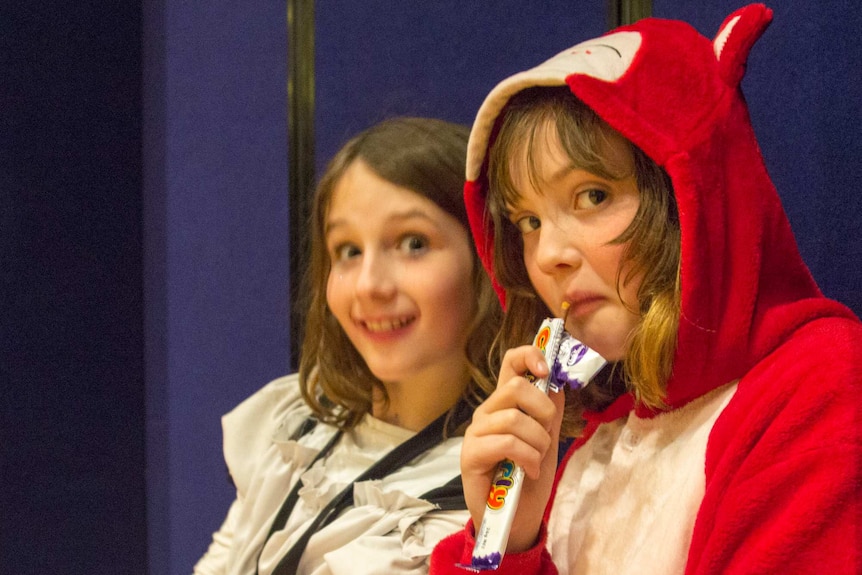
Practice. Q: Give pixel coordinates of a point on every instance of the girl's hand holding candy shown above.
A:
(521, 423)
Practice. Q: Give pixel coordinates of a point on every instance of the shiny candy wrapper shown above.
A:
(572, 364)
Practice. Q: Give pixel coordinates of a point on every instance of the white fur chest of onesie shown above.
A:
(628, 498)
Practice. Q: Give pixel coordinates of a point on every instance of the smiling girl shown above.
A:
(351, 465)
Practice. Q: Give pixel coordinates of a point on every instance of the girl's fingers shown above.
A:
(519, 422)
(519, 394)
(486, 453)
(521, 360)
(514, 424)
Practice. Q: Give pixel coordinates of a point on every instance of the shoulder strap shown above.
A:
(447, 497)
(290, 501)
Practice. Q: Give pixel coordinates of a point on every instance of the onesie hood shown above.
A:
(676, 95)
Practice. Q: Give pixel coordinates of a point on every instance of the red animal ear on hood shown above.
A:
(736, 35)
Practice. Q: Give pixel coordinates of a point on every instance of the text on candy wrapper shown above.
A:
(502, 483)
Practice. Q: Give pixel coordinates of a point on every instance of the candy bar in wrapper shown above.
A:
(572, 364)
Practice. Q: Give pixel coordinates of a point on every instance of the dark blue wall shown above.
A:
(429, 58)
(216, 250)
(71, 320)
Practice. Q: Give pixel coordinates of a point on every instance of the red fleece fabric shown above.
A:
(535, 560)
(782, 472)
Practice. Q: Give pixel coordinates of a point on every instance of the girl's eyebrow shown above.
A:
(510, 207)
(395, 217)
(333, 224)
(410, 214)
(561, 173)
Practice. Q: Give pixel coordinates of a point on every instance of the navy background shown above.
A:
(143, 223)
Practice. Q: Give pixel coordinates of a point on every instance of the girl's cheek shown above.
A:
(334, 283)
(545, 289)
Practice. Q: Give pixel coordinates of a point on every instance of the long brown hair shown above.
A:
(652, 240)
(426, 156)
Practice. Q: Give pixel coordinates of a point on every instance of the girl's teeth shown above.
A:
(385, 325)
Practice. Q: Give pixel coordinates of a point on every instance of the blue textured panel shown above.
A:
(430, 58)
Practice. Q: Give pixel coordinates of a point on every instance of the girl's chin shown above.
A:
(609, 343)
(610, 350)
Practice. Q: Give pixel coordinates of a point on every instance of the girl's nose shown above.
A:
(556, 249)
(376, 278)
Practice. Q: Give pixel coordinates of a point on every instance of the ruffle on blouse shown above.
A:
(386, 521)
(295, 454)
(250, 427)
(317, 490)
(402, 510)
(387, 532)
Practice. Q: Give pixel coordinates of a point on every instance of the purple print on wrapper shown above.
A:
(567, 371)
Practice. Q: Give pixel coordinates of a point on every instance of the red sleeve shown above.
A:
(458, 549)
(784, 465)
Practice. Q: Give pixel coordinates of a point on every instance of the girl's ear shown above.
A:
(736, 35)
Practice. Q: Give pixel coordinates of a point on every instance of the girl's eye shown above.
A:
(528, 224)
(413, 244)
(345, 252)
(590, 199)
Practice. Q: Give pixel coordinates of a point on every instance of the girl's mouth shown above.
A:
(583, 304)
(387, 325)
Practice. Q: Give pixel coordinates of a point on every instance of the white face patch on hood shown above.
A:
(606, 58)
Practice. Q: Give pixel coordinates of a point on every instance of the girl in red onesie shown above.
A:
(622, 177)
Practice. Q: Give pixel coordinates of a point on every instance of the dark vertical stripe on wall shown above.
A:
(621, 12)
(71, 310)
(300, 121)
(155, 283)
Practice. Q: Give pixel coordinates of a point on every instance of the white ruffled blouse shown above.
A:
(387, 530)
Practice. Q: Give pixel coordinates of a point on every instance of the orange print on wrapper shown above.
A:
(502, 483)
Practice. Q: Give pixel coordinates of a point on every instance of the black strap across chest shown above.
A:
(449, 496)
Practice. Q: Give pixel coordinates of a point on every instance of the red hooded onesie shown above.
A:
(754, 466)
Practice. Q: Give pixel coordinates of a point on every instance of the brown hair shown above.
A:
(652, 240)
(426, 156)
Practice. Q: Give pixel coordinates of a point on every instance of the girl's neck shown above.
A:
(413, 405)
